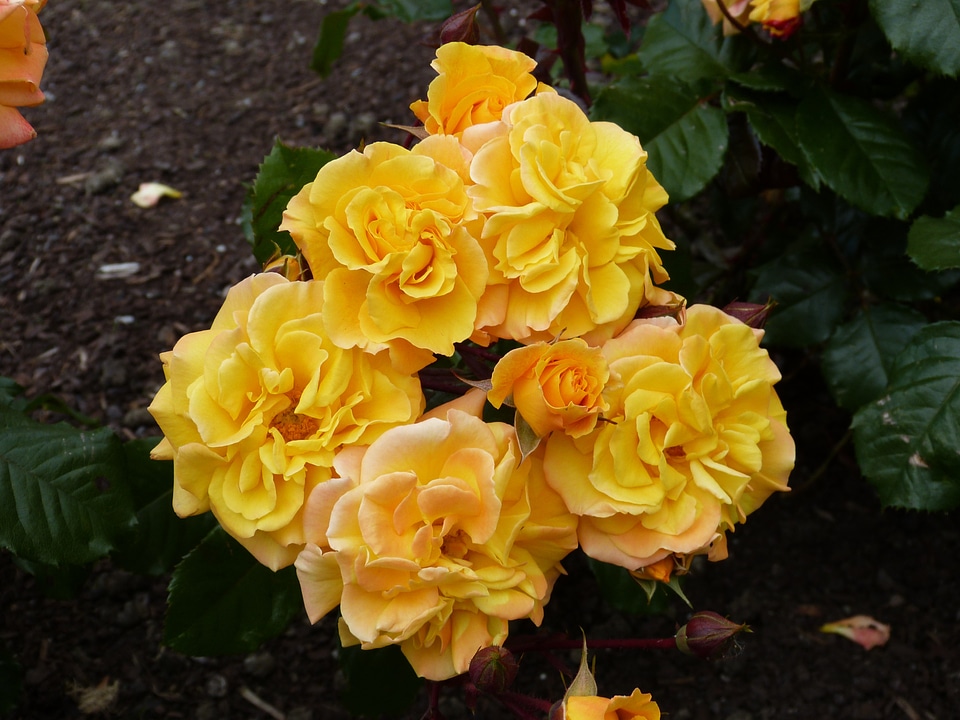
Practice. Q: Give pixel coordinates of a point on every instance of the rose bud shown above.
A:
(493, 669)
(461, 27)
(751, 314)
(708, 635)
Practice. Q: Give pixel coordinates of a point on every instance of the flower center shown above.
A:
(293, 426)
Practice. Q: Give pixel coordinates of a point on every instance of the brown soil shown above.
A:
(192, 94)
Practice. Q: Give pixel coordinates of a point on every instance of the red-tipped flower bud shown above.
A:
(461, 27)
(493, 669)
(709, 635)
(752, 314)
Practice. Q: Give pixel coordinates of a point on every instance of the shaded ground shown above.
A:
(192, 94)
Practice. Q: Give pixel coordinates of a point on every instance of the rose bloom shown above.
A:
(696, 440)
(474, 85)
(553, 386)
(254, 408)
(389, 231)
(779, 17)
(620, 707)
(23, 55)
(444, 539)
(570, 233)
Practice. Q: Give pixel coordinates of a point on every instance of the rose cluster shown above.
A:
(23, 55)
(518, 229)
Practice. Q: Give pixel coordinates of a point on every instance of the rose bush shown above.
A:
(695, 440)
(254, 408)
(23, 55)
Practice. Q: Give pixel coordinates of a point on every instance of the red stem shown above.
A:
(528, 643)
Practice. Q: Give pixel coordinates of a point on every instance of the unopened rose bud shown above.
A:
(709, 635)
(292, 268)
(493, 669)
(461, 27)
(753, 314)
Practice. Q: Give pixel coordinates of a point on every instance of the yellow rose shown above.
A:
(23, 55)
(441, 542)
(739, 10)
(778, 17)
(474, 85)
(555, 386)
(696, 440)
(389, 231)
(570, 234)
(254, 409)
(620, 707)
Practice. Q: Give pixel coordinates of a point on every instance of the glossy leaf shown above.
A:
(810, 291)
(773, 118)
(907, 441)
(934, 243)
(685, 138)
(63, 497)
(925, 32)
(282, 174)
(222, 601)
(861, 153)
(160, 539)
(684, 43)
(857, 360)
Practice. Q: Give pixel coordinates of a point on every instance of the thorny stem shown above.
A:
(568, 17)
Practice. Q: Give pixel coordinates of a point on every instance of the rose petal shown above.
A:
(862, 629)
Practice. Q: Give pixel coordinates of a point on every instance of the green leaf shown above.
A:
(859, 356)
(861, 153)
(926, 32)
(160, 539)
(63, 496)
(908, 441)
(934, 243)
(222, 601)
(810, 289)
(684, 43)
(774, 120)
(380, 682)
(329, 45)
(282, 175)
(685, 138)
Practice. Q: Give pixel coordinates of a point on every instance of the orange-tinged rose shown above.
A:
(254, 409)
(390, 231)
(696, 440)
(620, 707)
(23, 55)
(474, 85)
(570, 235)
(443, 540)
(779, 17)
(555, 386)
